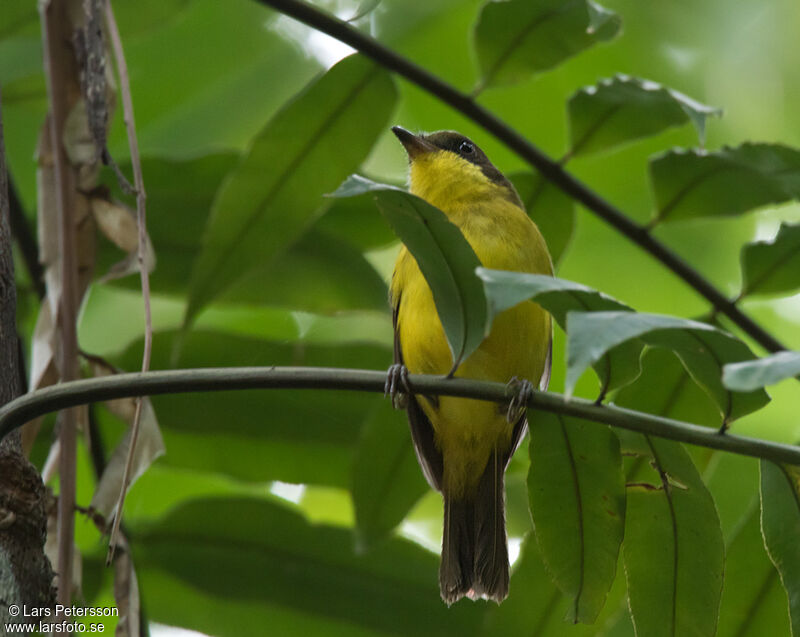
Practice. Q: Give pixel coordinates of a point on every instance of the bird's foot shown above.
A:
(521, 391)
(396, 385)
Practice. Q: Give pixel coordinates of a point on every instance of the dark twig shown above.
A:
(26, 242)
(551, 170)
(91, 390)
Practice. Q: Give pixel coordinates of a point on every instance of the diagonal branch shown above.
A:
(80, 392)
(550, 170)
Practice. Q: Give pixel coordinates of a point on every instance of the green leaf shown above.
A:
(289, 435)
(20, 57)
(270, 198)
(264, 558)
(772, 267)
(673, 549)
(727, 182)
(753, 601)
(558, 296)
(665, 389)
(703, 350)
(550, 208)
(751, 375)
(445, 258)
(621, 109)
(516, 38)
(577, 497)
(318, 273)
(18, 15)
(780, 525)
(365, 7)
(138, 17)
(533, 599)
(357, 221)
(386, 477)
(179, 196)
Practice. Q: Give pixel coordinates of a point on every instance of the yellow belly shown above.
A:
(466, 431)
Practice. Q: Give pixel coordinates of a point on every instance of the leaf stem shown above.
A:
(141, 196)
(550, 169)
(42, 401)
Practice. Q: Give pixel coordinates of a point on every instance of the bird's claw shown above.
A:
(397, 385)
(521, 391)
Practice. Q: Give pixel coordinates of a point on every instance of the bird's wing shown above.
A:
(544, 381)
(521, 426)
(429, 457)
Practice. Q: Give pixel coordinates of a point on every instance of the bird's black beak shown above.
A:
(415, 145)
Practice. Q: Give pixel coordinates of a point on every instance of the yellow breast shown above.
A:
(503, 237)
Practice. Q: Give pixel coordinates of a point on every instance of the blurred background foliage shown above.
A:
(290, 512)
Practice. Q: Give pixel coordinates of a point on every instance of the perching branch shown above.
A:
(42, 401)
(550, 170)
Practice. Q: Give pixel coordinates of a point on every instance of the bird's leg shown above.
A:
(397, 385)
(521, 391)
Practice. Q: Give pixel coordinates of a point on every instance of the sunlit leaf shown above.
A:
(673, 549)
(306, 150)
(752, 375)
(621, 109)
(780, 525)
(551, 209)
(306, 576)
(772, 267)
(386, 478)
(517, 38)
(444, 256)
(703, 349)
(577, 496)
(726, 182)
(558, 296)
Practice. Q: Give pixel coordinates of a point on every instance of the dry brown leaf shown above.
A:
(149, 446)
(126, 592)
(118, 223)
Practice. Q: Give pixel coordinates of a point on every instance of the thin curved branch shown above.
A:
(550, 169)
(79, 392)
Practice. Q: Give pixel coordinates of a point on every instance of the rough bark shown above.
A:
(25, 573)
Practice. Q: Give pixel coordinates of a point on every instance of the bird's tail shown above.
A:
(474, 546)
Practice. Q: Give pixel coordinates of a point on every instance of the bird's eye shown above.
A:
(466, 147)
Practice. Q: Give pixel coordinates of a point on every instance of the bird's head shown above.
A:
(445, 167)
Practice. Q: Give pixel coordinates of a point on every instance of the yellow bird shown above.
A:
(465, 445)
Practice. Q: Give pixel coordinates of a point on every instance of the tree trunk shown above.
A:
(26, 577)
